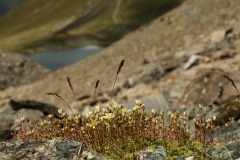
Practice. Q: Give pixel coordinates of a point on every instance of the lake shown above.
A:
(59, 59)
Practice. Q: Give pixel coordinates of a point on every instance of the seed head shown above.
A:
(69, 83)
(55, 94)
(120, 66)
(97, 83)
(230, 80)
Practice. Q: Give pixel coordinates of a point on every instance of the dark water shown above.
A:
(59, 59)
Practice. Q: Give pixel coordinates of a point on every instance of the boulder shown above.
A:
(18, 70)
(229, 151)
(209, 87)
(218, 35)
(10, 118)
(31, 104)
(222, 54)
(140, 90)
(151, 72)
(153, 154)
(59, 148)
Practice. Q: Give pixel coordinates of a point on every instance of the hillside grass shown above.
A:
(35, 23)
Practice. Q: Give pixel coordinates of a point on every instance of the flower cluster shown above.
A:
(116, 129)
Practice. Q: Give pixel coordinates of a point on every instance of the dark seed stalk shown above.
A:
(95, 93)
(55, 94)
(230, 80)
(118, 71)
(70, 85)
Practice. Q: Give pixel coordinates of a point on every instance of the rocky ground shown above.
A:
(174, 62)
(17, 70)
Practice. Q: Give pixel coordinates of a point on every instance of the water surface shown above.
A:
(59, 59)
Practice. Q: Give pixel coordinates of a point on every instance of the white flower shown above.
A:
(208, 120)
(138, 102)
(87, 116)
(90, 112)
(60, 111)
(136, 107)
(200, 106)
(50, 116)
(125, 110)
(97, 108)
(30, 132)
(109, 116)
(169, 113)
(77, 118)
(162, 113)
(23, 119)
(153, 111)
(194, 120)
(93, 124)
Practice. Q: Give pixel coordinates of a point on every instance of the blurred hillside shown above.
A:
(52, 25)
(6, 5)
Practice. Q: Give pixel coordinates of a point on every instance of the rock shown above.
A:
(168, 62)
(227, 110)
(140, 90)
(152, 154)
(231, 150)
(181, 157)
(174, 84)
(59, 148)
(236, 43)
(193, 60)
(31, 104)
(18, 70)
(207, 87)
(193, 50)
(129, 83)
(236, 32)
(222, 54)
(151, 56)
(10, 118)
(190, 158)
(218, 36)
(151, 72)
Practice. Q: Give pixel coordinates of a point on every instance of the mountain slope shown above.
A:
(6, 5)
(155, 57)
(49, 24)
